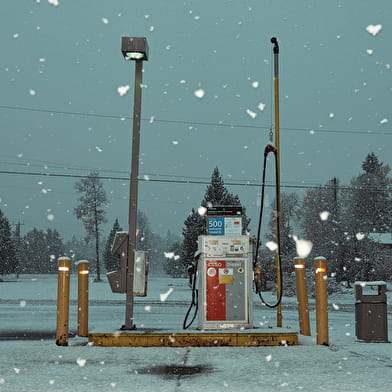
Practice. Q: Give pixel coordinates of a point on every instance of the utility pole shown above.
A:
(18, 243)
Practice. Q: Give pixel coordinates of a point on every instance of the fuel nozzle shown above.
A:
(257, 279)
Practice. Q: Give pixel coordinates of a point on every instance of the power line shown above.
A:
(198, 123)
(197, 182)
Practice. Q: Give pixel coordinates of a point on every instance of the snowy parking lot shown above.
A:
(30, 360)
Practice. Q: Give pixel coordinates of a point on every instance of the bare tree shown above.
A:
(91, 208)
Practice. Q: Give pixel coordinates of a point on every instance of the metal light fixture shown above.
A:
(133, 48)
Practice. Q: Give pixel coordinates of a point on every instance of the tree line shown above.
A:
(340, 221)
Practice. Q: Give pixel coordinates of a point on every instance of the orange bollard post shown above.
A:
(302, 296)
(83, 298)
(62, 327)
(320, 271)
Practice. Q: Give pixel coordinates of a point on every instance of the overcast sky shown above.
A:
(207, 100)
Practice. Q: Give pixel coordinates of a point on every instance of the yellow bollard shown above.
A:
(302, 296)
(62, 327)
(320, 271)
(83, 298)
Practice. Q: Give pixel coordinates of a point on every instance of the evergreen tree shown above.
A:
(194, 226)
(174, 265)
(216, 195)
(368, 209)
(112, 262)
(289, 210)
(41, 251)
(91, 209)
(370, 203)
(320, 220)
(8, 260)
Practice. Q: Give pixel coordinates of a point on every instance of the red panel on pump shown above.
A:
(215, 291)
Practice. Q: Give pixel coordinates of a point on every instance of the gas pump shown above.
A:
(222, 280)
(225, 282)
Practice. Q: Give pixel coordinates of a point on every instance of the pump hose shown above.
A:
(194, 301)
(270, 148)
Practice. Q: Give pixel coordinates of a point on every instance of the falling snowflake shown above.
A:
(324, 215)
(202, 210)
(374, 29)
(271, 245)
(369, 51)
(122, 90)
(261, 106)
(250, 113)
(50, 217)
(98, 149)
(32, 92)
(105, 20)
(384, 121)
(360, 236)
(165, 296)
(255, 84)
(56, 3)
(81, 362)
(199, 93)
(303, 247)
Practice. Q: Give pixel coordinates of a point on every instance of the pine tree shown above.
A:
(289, 210)
(8, 260)
(91, 209)
(216, 195)
(368, 210)
(112, 262)
(320, 220)
(194, 226)
(370, 204)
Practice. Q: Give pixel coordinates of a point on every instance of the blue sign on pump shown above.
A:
(216, 226)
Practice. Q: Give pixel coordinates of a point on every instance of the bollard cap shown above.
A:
(64, 264)
(82, 267)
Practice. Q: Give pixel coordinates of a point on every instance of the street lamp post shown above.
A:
(136, 49)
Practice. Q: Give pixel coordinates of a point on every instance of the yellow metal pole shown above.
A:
(320, 271)
(279, 317)
(302, 296)
(83, 298)
(62, 327)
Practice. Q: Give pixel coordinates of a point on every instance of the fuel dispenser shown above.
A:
(222, 279)
(225, 282)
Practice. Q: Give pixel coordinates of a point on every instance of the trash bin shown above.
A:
(371, 323)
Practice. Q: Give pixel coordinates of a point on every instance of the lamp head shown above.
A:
(134, 48)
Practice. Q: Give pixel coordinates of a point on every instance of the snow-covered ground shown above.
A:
(32, 361)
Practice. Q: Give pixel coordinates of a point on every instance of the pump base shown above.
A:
(160, 338)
